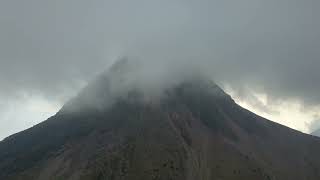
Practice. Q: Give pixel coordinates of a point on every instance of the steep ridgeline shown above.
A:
(194, 131)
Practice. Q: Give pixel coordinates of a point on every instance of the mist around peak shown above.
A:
(134, 78)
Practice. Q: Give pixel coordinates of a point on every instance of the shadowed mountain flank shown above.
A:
(190, 130)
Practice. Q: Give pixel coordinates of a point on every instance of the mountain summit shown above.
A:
(185, 130)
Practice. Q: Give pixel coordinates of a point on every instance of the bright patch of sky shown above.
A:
(289, 113)
(24, 113)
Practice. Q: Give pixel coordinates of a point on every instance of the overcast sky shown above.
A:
(266, 53)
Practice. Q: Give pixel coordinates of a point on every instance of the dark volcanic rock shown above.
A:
(193, 132)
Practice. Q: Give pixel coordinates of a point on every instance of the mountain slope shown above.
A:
(194, 131)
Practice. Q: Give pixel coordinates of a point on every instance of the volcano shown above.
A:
(192, 130)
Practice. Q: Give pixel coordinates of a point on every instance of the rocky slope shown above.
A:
(194, 131)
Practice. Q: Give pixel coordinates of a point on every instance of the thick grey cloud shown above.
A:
(272, 46)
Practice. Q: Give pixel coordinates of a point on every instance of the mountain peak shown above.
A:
(127, 78)
(121, 127)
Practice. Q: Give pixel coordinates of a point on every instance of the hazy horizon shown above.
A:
(264, 53)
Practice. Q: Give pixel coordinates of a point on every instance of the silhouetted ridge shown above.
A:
(190, 130)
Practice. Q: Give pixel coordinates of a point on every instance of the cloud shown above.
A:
(19, 114)
(54, 47)
(314, 125)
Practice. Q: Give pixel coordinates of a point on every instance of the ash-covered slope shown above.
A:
(192, 131)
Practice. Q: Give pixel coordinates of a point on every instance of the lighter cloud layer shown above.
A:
(289, 113)
(49, 46)
(24, 113)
